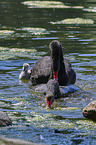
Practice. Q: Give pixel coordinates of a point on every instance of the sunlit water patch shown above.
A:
(86, 68)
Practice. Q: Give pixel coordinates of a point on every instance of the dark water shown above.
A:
(64, 123)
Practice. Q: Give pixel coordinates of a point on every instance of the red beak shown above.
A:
(55, 75)
(49, 102)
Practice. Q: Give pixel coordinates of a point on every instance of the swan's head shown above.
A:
(49, 100)
(25, 67)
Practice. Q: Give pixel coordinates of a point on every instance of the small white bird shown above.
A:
(25, 74)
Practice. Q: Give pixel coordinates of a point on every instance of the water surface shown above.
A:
(25, 34)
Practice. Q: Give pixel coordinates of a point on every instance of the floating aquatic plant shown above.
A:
(86, 124)
(68, 108)
(47, 120)
(16, 53)
(4, 48)
(22, 50)
(9, 34)
(6, 33)
(90, 9)
(36, 31)
(74, 21)
(45, 4)
(48, 4)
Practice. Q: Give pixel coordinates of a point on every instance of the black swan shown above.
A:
(53, 90)
(54, 66)
(25, 74)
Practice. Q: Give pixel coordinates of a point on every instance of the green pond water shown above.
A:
(26, 29)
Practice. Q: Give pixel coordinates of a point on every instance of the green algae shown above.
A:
(90, 9)
(86, 124)
(45, 4)
(22, 50)
(49, 4)
(68, 108)
(18, 98)
(22, 32)
(17, 53)
(47, 121)
(6, 32)
(35, 31)
(74, 21)
(4, 48)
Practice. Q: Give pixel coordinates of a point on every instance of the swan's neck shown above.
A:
(55, 75)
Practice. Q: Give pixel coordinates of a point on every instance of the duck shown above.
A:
(55, 66)
(26, 73)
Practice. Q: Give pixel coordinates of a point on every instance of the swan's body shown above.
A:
(54, 66)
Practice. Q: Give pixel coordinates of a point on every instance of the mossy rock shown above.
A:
(90, 111)
(4, 119)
